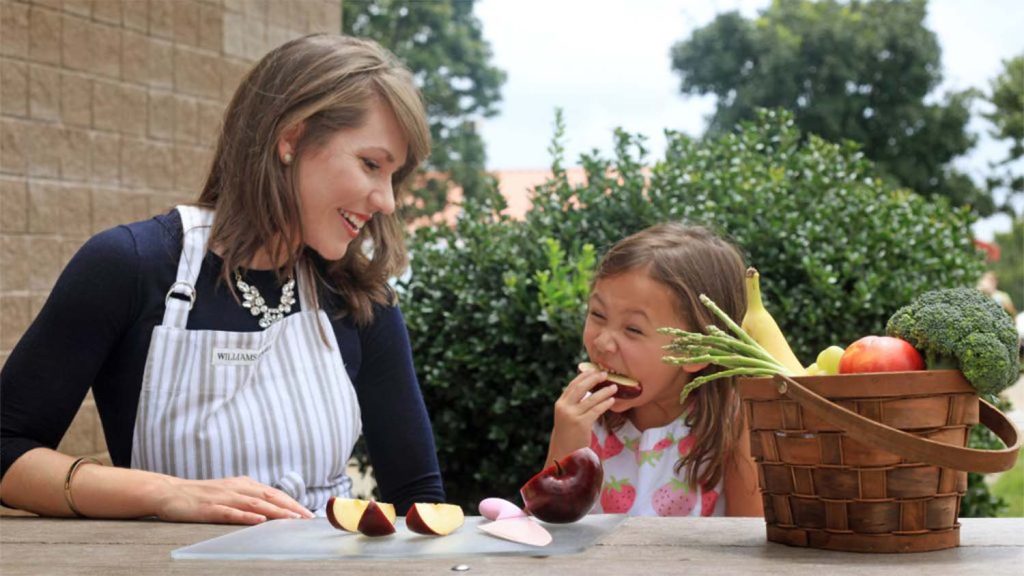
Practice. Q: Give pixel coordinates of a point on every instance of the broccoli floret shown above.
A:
(965, 329)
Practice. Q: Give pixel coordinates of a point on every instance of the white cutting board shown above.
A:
(316, 539)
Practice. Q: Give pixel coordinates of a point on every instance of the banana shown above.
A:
(760, 325)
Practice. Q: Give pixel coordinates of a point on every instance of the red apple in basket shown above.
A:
(369, 517)
(627, 387)
(880, 354)
(434, 519)
(565, 491)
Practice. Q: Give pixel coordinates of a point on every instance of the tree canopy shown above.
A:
(863, 71)
(1007, 118)
(442, 43)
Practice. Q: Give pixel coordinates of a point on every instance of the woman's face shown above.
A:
(345, 182)
(620, 334)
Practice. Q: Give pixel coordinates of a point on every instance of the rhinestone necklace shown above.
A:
(253, 300)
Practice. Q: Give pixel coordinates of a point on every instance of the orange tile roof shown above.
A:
(515, 185)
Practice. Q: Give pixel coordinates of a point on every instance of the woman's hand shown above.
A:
(239, 500)
(576, 411)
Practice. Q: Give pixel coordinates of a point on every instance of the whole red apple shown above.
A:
(880, 354)
(565, 491)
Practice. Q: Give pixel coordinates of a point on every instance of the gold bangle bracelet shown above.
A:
(67, 482)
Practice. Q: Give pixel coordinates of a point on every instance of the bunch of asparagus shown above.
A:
(740, 355)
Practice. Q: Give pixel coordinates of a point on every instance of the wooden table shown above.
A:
(684, 546)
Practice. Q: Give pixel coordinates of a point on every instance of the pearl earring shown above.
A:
(287, 158)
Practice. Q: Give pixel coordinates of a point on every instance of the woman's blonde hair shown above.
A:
(690, 261)
(325, 83)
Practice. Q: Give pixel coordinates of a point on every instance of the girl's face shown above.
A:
(621, 335)
(345, 182)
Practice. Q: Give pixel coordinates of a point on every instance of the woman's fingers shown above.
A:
(270, 501)
(275, 496)
(260, 506)
(231, 501)
(221, 514)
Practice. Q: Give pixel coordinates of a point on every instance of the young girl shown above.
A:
(660, 457)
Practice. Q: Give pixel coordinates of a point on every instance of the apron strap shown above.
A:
(306, 282)
(195, 223)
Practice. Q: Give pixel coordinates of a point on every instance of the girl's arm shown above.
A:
(576, 412)
(742, 495)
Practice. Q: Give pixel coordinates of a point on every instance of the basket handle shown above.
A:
(910, 446)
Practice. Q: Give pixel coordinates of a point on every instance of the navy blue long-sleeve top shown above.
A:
(94, 331)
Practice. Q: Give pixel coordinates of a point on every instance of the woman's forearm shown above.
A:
(35, 483)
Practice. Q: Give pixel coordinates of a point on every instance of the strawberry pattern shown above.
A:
(595, 445)
(708, 498)
(674, 499)
(612, 446)
(640, 477)
(617, 496)
(653, 456)
(685, 445)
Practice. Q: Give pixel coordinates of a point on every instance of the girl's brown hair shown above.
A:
(325, 83)
(690, 261)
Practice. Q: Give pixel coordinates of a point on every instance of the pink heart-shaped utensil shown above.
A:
(524, 530)
(499, 509)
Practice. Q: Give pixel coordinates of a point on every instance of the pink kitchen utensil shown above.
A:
(499, 509)
(510, 522)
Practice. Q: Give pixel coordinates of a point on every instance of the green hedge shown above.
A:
(495, 307)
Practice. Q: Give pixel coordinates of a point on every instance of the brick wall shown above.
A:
(108, 112)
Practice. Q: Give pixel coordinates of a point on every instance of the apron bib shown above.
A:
(276, 405)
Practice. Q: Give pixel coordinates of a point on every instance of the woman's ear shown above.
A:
(694, 368)
(287, 142)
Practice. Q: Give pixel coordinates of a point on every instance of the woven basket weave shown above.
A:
(868, 462)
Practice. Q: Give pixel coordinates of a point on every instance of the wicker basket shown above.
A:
(868, 462)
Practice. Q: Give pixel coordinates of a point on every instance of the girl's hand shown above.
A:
(576, 412)
(239, 500)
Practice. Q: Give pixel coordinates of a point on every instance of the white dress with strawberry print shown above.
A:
(639, 473)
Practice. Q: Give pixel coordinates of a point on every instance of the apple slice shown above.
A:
(434, 519)
(345, 513)
(354, 515)
(628, 388)
(377, 520)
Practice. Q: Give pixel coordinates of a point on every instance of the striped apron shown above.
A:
(276, 405)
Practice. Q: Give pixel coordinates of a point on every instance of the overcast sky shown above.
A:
(606, 64)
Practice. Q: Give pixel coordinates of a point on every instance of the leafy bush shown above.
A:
(495, 307)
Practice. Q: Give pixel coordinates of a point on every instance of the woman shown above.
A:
(236, 348)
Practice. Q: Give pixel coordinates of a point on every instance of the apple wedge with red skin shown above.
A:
(377, 520)
(344, 513)
(368, 517)
(627, 387)
(434, 519)
(565, 491)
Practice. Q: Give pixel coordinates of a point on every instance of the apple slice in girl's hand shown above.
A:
(627, 387)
